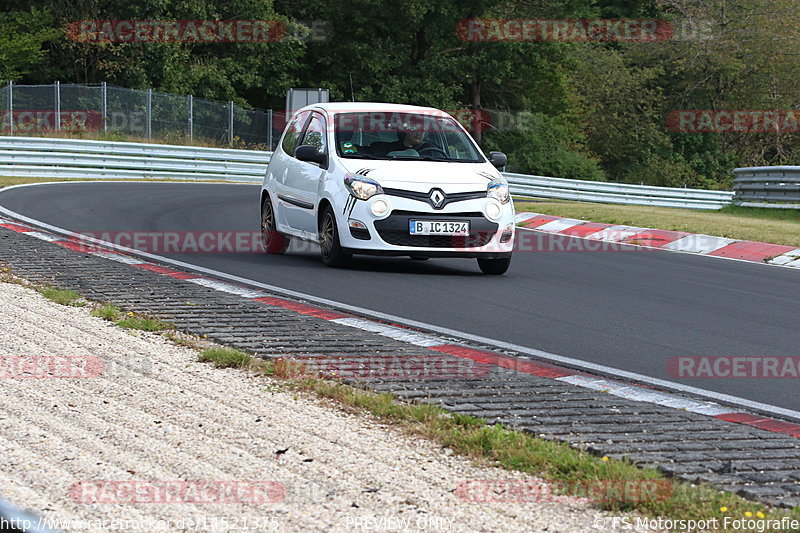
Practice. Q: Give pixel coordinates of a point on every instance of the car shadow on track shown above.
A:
(392, 265)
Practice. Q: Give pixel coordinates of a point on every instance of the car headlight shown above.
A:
(498, 189)
(362, 187)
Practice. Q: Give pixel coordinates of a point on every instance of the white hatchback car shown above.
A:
(386, 179)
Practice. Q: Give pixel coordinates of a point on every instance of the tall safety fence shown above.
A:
(27, 110)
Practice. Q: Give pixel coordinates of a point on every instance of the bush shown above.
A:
(544, 145)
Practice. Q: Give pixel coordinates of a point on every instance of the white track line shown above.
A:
(699, 244)
(228, 287)
(559, 225)
(522, 216)
(43, 236)
(640, 394)
(411, 337)
(788, 257)
(614, 233)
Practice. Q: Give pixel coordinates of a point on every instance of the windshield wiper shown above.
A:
(438, 159)
(363, 156)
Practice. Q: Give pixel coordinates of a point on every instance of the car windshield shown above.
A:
(403, 137)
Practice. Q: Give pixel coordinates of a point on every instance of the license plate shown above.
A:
(438, 227)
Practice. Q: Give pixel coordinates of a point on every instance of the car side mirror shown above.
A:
(498, 159)
(311, 154)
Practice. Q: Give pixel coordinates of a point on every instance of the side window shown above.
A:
(293, 131)
(456, 145)
(315, 133)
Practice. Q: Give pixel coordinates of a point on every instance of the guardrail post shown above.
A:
(230, 122)
(269, 128)
(190, 124)
(57, 120)
(104, 109)
(149, 113)
(10, 107)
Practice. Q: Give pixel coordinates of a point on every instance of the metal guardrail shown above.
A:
(616, 193)
(777, 187)
(78, 158)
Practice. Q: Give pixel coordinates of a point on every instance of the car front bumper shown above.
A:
(389, 234)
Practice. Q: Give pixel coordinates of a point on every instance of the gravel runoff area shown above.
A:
(160, 428)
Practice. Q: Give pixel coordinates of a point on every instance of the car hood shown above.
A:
(421, 175)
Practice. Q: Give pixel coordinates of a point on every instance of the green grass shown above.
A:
(777, 226)
(225, 357)
(182, 339)
(142, 323)
(108, 312)
(570, 469)
(765, 213)
(61, 296)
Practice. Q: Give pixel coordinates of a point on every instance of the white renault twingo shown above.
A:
(386, 179)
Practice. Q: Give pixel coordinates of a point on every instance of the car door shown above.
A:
(302, 184)
(283, 164)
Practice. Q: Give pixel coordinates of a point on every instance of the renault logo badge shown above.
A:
(437, 198)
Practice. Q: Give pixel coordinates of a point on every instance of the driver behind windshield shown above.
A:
(409, 138)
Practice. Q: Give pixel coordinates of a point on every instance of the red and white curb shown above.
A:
(678, 241)
(630, 391)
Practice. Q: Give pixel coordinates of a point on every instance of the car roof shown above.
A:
(370, 107)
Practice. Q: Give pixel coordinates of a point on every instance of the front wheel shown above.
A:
(274, 241)
(494, 267)
(332, 253)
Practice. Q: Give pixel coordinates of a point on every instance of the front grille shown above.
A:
(394, 230)
(437, 216)
(399, 238)
(449, 198)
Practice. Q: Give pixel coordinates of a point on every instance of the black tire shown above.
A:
(274, 241)
(494, 267)
(330, 248)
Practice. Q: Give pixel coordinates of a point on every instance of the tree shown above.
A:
(22, 38)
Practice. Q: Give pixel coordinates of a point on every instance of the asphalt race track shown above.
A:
(631, 310)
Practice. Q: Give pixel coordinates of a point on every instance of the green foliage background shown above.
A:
(575, 110)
